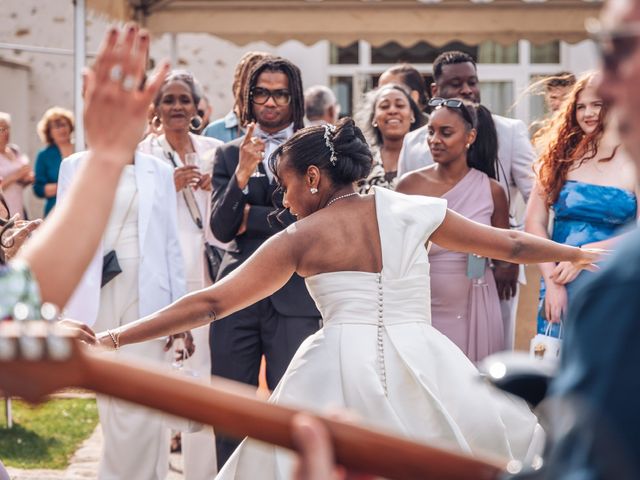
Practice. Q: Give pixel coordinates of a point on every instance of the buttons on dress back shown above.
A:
(383, 372)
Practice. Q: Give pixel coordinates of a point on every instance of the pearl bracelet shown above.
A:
(115, 338)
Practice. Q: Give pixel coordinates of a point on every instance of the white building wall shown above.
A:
(212, 60)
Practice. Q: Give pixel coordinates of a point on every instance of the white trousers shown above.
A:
(136, 439)
(199, 448)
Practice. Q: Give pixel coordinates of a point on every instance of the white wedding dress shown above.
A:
(379, 357)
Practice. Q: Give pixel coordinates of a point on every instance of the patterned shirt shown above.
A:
(377, 177)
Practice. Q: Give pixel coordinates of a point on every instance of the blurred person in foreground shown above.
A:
(593, 402)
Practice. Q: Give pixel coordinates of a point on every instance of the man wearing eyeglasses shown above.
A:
(244, 197)
(593, 402)
(456, 76)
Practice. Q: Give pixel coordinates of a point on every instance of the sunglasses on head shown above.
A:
(615, 45)
(438, 102)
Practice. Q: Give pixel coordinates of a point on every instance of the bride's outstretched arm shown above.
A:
(265, 272)
(463, 235)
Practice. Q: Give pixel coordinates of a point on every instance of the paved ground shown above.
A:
(84, 464)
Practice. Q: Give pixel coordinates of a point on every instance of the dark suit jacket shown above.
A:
(227, 208)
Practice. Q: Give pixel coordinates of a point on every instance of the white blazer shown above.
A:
(161, 271)
(515, 154)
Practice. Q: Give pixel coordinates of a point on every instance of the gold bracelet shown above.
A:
(115, 339)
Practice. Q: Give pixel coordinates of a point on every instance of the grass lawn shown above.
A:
(46, 436)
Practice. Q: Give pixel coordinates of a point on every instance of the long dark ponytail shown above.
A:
(483, 154)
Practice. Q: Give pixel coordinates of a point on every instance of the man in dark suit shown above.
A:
(244, 198)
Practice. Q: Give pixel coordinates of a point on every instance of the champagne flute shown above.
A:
(192, 158)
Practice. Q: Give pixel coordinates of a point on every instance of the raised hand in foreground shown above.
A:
(116, 101)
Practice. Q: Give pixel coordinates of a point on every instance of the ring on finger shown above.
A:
(254, 140)
(115, 74)
(128, 83)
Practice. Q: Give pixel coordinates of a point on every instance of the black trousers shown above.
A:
(238, 343)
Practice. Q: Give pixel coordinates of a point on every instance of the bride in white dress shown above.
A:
(366, 266)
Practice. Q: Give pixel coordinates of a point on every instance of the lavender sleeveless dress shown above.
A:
(465, 310)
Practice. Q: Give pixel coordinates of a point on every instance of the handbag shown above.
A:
(213, 257)
(110, 265)
(545, 347)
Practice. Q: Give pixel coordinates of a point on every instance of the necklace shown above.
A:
(341, 197)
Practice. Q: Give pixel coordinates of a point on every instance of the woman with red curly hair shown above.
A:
(586, 184)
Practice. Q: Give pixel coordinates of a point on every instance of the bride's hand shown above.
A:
(587, 260)
(80, 330)
(116, 95)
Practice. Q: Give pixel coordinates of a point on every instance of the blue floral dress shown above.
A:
(586, 213)
(17, 285)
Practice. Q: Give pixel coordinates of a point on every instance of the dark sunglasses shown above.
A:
(438, 102)
(260, 96)
(614, 46)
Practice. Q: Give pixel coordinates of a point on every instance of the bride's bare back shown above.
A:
(341, 237)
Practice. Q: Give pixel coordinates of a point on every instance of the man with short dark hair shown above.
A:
(241, 206)
(456, 76)
(320, 105)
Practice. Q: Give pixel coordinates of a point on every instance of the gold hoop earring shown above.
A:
(374, 124)
(156, 122)
(195, 123)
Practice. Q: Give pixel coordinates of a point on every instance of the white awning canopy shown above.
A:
(376, 21)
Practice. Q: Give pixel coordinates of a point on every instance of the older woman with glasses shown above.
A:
(55, 129)
(15, 172)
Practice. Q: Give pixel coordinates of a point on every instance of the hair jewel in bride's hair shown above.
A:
(328, 128)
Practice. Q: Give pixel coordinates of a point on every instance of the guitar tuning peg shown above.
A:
(8, 350)
(31, 346)
(59, 348)
(49, 312)
(21, 312)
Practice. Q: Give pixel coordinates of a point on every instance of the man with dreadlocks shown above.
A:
(244, 196)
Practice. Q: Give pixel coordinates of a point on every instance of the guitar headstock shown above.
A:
(37, 358)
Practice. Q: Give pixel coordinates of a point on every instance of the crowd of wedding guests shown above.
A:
(199, 198)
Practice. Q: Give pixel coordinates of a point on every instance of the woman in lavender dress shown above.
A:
(464, 299)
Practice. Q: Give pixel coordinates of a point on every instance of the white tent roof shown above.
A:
(345, 21)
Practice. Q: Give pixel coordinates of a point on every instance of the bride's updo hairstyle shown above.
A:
(340, 151)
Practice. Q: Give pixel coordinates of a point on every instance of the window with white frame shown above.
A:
(505, 71)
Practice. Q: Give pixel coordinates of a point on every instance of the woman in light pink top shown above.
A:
(464, 299)
(15, 172)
